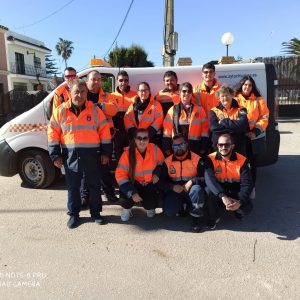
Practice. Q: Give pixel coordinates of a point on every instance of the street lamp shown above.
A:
(227, 39)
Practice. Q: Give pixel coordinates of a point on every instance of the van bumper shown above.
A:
(8, 160)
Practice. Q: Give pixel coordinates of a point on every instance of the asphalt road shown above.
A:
(257, 258)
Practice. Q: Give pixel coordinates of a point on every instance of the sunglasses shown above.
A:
(186, 91)
(121, 80)
(179, 146)
(142, 138)
(226, 145)
(70, 76)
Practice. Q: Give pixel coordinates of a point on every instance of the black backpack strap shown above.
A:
(177, 113)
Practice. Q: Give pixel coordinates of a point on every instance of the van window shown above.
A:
(108, 82)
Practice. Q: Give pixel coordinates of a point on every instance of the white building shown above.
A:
(25, 62)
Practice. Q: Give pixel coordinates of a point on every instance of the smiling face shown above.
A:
(143, 92)
(186, 95)
(247, 88)
(225, 99)
(123, 82)
(170, 83)
(208, 76)
(142, 141)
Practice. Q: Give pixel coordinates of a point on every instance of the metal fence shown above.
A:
(288, 75)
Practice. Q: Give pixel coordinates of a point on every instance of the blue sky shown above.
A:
(259, 27)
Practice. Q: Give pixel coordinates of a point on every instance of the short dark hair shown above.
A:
(78, 82)
(209, 65)
(145, 83)
(70, 69)
(178, 136)
(122, 73)
(94, 71)
(186, 85)
(170, 74)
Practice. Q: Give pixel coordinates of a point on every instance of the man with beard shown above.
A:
(182, 181)
(170, 94)
(228, 179)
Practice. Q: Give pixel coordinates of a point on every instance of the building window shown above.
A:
(20, 86)
(37, 62)
(20, 66)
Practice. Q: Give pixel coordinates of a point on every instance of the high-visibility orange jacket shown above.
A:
(106, 103)
(233, 119)
(197, 122)
(71, 135)
(228, 177)
(151, 117)
(175, 171)
(61, 95)
(167, 99)
(145, 166)
(123, 101)
(257, 112)
(208, 98)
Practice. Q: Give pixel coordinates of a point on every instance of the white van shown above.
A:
(23, 140)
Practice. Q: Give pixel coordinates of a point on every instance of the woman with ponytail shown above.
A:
(134, 174)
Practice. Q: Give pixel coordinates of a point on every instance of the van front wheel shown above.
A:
(36, 169)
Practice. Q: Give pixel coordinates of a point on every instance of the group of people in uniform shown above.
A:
(189, 148)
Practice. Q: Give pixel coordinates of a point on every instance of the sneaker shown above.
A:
(196, 225)
(212, 224)
(73, 222)
(252, 194)
(100, 220)
(150, 213)
(126, 214)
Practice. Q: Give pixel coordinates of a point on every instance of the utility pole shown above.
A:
(170, 37)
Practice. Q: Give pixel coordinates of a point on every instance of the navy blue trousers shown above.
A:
(173, 202)
(92, 180)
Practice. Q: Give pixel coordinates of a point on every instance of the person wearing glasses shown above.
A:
(62, 93)
(170, 94)
(134, 175)
(205, 93)
(187, 118)
(228, 181)
(144, 112)
(228, 115)
(123, 96)
(249, 97)
(182, 181)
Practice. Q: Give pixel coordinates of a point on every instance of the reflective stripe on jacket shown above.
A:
(198, 123)
(89, 130)
(182, 171)
(152, 116)
(257, 111)
(144, 166)
(227, 171)
(208, 100)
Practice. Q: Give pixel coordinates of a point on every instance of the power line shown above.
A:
(120, 28)
(45, 18)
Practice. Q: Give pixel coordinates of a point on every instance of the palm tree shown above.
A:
(292, 47)
(64, 48)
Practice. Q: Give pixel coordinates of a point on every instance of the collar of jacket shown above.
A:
(74, 109)
(139, 105)
(232, 157)
(189, 156)
(203, 87)
(234, 103)
(127, 89)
